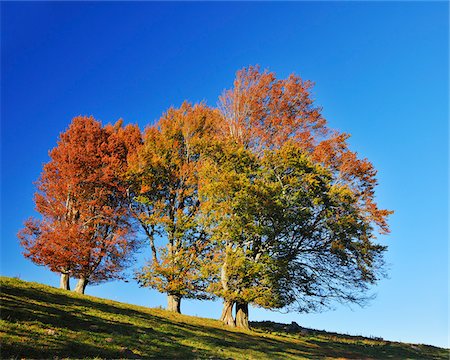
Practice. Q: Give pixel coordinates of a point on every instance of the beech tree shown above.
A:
(235, 204)
(85, 230)
(167, 204)
(261, 115)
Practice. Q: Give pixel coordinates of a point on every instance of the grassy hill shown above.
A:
(39, 321)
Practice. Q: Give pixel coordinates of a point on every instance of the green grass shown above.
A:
(39, 321)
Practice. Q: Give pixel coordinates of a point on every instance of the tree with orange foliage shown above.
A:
(82, 196)
(324, 247)
(167, 203)
(263, 112)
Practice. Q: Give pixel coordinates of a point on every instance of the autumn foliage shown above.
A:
(82, 197)
(255, 202)
(167, 203)
(290, 203)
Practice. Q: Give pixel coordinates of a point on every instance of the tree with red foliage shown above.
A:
(82, 196)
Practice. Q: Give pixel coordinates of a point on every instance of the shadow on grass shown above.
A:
(65, 330)
(44, 324)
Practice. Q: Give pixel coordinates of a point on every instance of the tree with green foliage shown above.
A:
(290, 208)
(286, 235)
(230, 205)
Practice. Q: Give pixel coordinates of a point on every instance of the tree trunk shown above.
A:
(242, 315)
(64, 283)
(227, 313)
(173, 303)
(81, 285)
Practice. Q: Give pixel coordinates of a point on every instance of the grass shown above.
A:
(39, 321)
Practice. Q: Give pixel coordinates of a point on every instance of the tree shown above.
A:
(263, 112)
(266, 116)
(325, 243)
(234, 205)
(285, 234)
(85, 229)
(167, 203)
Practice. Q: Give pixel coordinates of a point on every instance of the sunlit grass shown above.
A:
(39, 321)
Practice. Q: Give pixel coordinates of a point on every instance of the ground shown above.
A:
(39, 321)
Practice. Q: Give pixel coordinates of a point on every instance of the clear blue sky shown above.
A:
(381, 73)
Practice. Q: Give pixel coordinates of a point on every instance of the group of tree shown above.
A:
(255, 201)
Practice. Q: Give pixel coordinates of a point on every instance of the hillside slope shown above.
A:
(39, 321)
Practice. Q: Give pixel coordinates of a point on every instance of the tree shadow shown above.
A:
(50, 324)
(64, 316)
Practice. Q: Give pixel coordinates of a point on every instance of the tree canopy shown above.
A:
(167, 203)
(293, 207)
(84, 230)
(255, 202)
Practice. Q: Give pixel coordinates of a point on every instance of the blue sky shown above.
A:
(381, 74)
